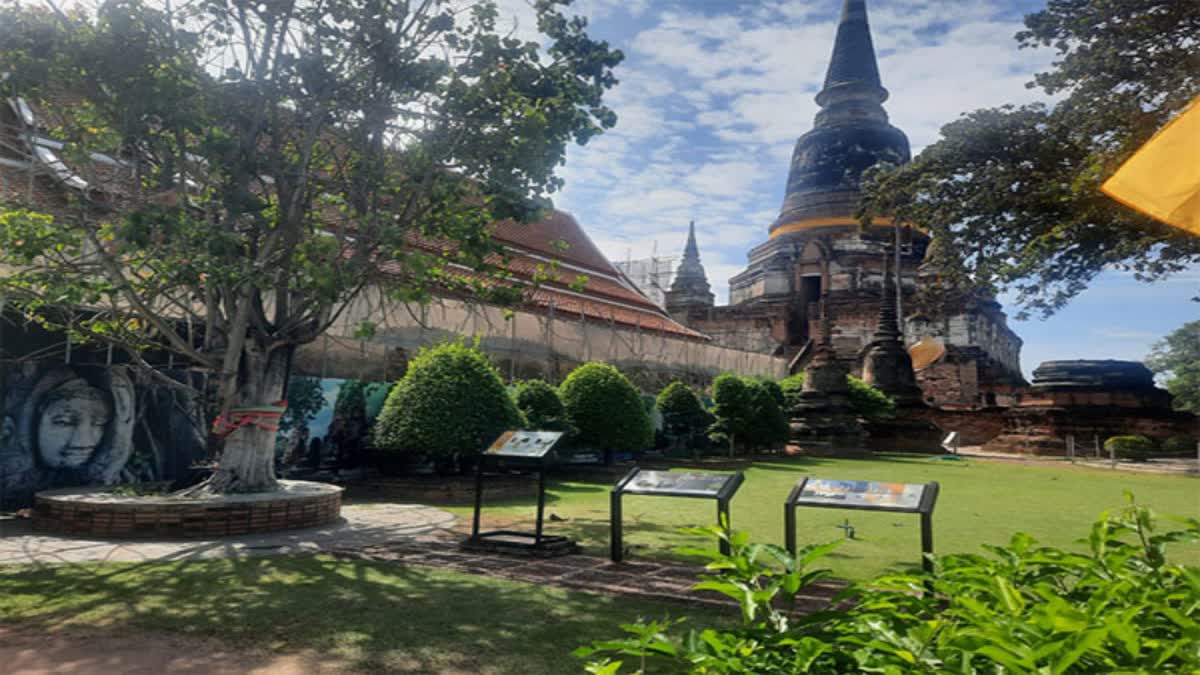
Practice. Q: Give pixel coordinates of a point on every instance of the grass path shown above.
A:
(982, 502)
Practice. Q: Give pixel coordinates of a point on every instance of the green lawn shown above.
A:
(981, 502)
(382, 617)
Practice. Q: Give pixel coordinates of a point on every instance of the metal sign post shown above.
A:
(522, 449)
(717, 486)
(864, 496)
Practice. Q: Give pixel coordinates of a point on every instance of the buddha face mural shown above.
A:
(71, 425)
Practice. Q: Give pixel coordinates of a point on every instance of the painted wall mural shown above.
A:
(74, 425)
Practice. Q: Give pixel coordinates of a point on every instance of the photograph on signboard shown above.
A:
(678, 482)
(862, 493)
(529, 444)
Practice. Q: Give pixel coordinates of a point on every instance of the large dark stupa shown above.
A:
(851, 133)
(817, 251)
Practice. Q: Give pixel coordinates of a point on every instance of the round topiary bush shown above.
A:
(540, 404)
(682, 412)
(451, 404)
(605, 410)
(1136, 448)
(733, 409)
(1179, 446)
(767, 426)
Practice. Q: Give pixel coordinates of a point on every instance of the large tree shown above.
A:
(1011, 193)
(266, 163)
(1177, 358)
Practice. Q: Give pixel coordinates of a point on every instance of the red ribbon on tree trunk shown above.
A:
(264, 417)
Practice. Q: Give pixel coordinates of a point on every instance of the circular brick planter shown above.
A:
(92, 512)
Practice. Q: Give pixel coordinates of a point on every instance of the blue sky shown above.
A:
(714, 94)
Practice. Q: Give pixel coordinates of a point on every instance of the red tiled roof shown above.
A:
(558, 236)
(604, 295)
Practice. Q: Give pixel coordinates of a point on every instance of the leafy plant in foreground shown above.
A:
(1022, 608)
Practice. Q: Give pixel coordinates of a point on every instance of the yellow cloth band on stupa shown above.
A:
(811, 223)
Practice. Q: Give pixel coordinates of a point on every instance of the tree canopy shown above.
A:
(266, 164)
(1177, 358)
(1011, 194)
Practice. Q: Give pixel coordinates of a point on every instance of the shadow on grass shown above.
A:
(381, 616)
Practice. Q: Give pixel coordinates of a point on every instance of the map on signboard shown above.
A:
(678, 482)
(862, 493)
(527, 444)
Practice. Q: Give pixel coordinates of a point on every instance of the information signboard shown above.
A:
(533, 446)
(524, 444)
(866, 496)
(881, 496)
(716, 486)
(678, 483)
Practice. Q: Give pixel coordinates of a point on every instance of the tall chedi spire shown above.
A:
(850, 135)
(689, 289)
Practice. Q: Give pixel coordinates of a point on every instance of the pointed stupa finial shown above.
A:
(850, 135)
(691, 250)
(689, 289)
(852, 84)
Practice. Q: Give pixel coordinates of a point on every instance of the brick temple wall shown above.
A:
(974, 427)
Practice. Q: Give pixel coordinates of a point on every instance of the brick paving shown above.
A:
(652, 580)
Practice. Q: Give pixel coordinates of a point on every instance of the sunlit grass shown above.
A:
(982, 502)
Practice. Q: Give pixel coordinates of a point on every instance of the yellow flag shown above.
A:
(1162, 179)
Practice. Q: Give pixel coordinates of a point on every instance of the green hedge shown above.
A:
(605, 410)
(749, 412)
(450, 403)
(791, 386)
(1179, 446)
(869, 401)
(1136, 448)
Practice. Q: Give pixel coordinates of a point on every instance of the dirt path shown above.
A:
(88, 653)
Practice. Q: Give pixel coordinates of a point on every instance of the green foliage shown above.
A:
(749, 412)
(1177, 358)
(605, 409)
(1010, 194)
(451, 402)
(868, 401)
(733, 409)
(684, 416)
(1180, 446)
(1023, 608)
(865, 400)
(539, 402)
(351, 399)
(767, 426)
(792, 386)
(305, 398)
(1137, 448)
(262, 196)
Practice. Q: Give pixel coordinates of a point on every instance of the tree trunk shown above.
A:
(247, 461)
(731, 446)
